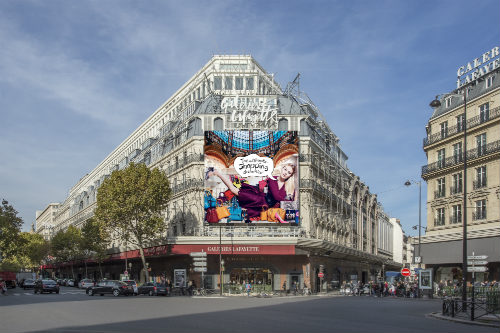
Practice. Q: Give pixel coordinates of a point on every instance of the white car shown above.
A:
(85, 283)
(133, 284)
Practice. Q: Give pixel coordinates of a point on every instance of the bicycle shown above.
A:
(200, 292)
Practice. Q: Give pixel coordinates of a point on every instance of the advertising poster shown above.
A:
(251, 177)
(180, 278)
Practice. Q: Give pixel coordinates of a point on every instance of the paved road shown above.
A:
(73, 311)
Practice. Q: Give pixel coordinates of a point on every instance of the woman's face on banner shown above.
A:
(286, 172)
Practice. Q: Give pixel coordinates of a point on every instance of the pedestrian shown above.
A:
(182, 285)
(248, 288)
(284, 287)
(190, 288)
(3, 287)
(169, 286)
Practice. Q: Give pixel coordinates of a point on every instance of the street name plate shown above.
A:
(198, 254)
(477, 257)
(199, 258)
(200, 263)
(477, 269)
(200, 269)
(477, 262)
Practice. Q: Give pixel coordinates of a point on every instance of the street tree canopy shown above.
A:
(95, 241)
(131, 203)
(66, 246)
(10, 228)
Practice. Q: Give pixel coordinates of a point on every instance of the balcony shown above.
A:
(471, 123)
(456, 189)
(479, 215)
(454, 219)
(439, 221)
(477, 184)
(439, 194)
(472, 154)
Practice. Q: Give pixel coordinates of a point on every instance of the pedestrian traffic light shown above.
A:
(321, 268)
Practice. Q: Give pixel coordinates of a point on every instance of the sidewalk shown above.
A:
(489, 320)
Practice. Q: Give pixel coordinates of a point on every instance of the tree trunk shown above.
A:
(100, 270)
(85, 262)
(72, 272)
(141, 251)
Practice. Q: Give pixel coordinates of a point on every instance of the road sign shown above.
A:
(477, 269)
(125, 273)
(200, 264)
(200, 269)
(199, 258)
(320, 275)
(198, 254)
(482, 257)
(477, 262)
(405, 272)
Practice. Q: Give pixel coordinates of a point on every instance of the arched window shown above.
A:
(218, 124)
(283, 124)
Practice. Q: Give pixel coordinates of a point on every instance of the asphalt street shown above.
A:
(74, 311)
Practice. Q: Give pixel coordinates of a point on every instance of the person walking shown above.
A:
(3, 287)
(284, 287)
(248, 288)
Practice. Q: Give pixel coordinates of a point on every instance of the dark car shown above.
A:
(49, 286)
(114, 287)
(153, 288)
(28, 284)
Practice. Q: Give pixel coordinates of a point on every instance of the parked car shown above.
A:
(134, 285)
(153, 288)
(85, 283)
(70, 283)
(42, 286)
(114, 287)
(60, 282)
(28, 284)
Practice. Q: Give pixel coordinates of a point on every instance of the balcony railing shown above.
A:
(439, 194)
(491, 148)
(454, 219)
(471, 123)
(479, 184)
(438, 221)
(479, 215)
(456, 189)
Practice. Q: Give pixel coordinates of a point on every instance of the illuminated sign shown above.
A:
(478, 67)
(245, 112)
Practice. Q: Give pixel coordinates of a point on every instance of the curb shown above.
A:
(438, 315)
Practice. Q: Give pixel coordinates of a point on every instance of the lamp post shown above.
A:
(435, 104)
(408, 183)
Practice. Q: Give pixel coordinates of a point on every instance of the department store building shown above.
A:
(338, 228)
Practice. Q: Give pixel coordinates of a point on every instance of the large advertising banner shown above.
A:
(251, 177)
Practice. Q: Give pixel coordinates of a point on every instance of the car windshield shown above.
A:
(28, 281)
(86, 280)
(130, 283)
(48, 282)
(160, 285)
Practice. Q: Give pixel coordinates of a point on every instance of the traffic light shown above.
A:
(321, 268)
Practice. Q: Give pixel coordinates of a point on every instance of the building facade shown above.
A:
(45, 220)
(338, 226)
(479, 82)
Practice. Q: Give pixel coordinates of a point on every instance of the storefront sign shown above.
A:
(250, 112)
(478, 67)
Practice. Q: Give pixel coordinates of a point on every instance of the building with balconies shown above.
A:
(444, 174)
(338, 227)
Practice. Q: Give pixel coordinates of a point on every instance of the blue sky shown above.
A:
(77, 77)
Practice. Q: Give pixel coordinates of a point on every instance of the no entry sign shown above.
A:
(405, 272)
(320, 275)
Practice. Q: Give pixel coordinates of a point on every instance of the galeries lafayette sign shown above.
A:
(245, 112)
(478, 67)
(209, 249)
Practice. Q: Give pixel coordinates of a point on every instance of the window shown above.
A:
(448, 101)
(239, 83)
(217, 83)
(249, 83)
(444, 129)
(218, 124)
(439, 220)
(457, 152)
(228, 83)
(457, 183)
(480, 211)
(481, 144)
(456, 214)
(480, 177)
(484, 112)
(460, 123)
(440, 188)
(489, 81)
(440, 160)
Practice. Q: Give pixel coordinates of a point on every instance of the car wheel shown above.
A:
(91, 292)
(57, 292)
(150, 293)
(102, 294)
(34, 291)
(116, 292)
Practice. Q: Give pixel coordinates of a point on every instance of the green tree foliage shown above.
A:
(95, 241)
(10, 228)
(131, 203)
(33, 250)
(66, 246)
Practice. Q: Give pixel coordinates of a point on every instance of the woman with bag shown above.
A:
(252, 199)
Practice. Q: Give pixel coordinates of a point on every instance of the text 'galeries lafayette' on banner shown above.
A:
(209, 249)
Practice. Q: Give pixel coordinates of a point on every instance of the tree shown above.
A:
(10, 227)
(130, 204)
(95, 241)
(66, 246)
(33, 250)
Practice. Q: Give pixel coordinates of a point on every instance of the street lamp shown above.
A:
(419, 183)
(435, 104)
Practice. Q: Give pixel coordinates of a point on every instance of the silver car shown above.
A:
(85, 283)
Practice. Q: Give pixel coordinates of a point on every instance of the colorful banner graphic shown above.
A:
(251, 177)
